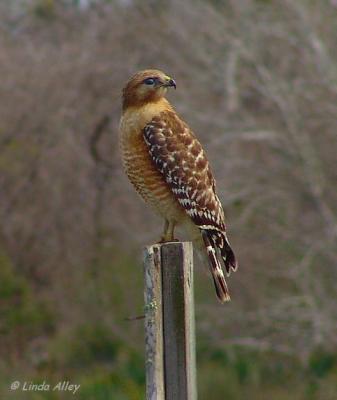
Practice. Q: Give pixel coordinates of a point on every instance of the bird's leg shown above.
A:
(163, 236)
(170, 232)
(168, 235)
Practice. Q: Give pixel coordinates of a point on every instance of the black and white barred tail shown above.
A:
(216, 242)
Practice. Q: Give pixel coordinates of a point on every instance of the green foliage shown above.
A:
(243, 370)
(111, 386)
(105, 366)
(219, 356)
(321, 363)
(87, 345)
(22, 316)
(44, 8)
(91, 343)
(241, 374)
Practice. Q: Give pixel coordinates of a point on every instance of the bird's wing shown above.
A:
(180, 158)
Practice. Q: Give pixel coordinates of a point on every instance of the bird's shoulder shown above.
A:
(172, 142)
(169, 130)
(181, 159)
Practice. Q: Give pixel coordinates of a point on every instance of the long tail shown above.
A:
(213, 240)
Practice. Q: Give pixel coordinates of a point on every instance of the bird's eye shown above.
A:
(149, 81)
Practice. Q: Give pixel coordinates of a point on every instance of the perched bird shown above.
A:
(168, 167)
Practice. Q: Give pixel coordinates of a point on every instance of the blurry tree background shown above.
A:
(257, 81)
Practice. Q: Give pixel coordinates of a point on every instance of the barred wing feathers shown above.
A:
(180, 158)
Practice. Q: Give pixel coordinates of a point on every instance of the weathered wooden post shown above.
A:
(169, 322)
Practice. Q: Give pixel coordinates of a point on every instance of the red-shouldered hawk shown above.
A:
(169, 169)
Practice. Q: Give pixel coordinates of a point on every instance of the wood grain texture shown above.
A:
(154, 362)
(172, 264)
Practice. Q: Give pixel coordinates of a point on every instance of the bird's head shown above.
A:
(146, 87)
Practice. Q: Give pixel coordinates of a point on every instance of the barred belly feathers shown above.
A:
(168, 167)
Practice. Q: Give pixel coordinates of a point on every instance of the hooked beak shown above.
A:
(170, 83)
